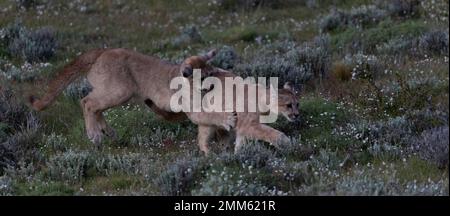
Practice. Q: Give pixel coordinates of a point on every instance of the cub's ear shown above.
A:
(186, 70)
(208, 56)
(288, 86)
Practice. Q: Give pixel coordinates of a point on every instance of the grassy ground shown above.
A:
(373, 122)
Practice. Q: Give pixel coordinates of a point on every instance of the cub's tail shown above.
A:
(69, 73)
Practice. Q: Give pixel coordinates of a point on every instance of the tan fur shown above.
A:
(116, 76)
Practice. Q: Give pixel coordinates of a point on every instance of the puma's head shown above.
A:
(288, 102)
(198, 62)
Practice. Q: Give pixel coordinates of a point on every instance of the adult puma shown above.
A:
(117, 75)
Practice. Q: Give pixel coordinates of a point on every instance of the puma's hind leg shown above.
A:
(169, 116)
(93, 105)
(203, 137)
(239, 142)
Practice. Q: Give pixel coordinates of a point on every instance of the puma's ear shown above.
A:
(288, 86)
(208, 56)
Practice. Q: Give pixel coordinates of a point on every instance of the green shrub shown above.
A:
(55, 143)
(70, 166)
(131, 164)
(44, 188)
(323, 114)
(227, 182)
(366, 40)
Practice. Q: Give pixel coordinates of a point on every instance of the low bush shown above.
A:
(364, 66)
(26, 4)
(247, 4)
(78, 89)
(399, 46)
(432, 146)
(254, 154)
(19, 130)
(6, 186)
(227, 182)
(314, 56)
(359, 17)
(226, 58)
(13, 113)
(370, 183)
(70, 166)
(131, 164)
(188, 35)
(30, 45)
(404, 8)
(289, 62)
(430, 43)
(276, 66)
(434, 43)
(55, 143)
(26, 72)
(179, 177)
(159, 138)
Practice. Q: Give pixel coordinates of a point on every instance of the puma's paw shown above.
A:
(230, 121)
(110, 132)
(95, 137)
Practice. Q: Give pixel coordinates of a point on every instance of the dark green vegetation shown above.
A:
(374, 104)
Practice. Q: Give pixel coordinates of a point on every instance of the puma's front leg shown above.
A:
(225, 139)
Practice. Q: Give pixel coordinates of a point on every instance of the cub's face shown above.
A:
(288, 103)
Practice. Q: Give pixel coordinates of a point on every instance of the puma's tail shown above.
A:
(69, 73)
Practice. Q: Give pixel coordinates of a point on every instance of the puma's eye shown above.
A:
(289, 106)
